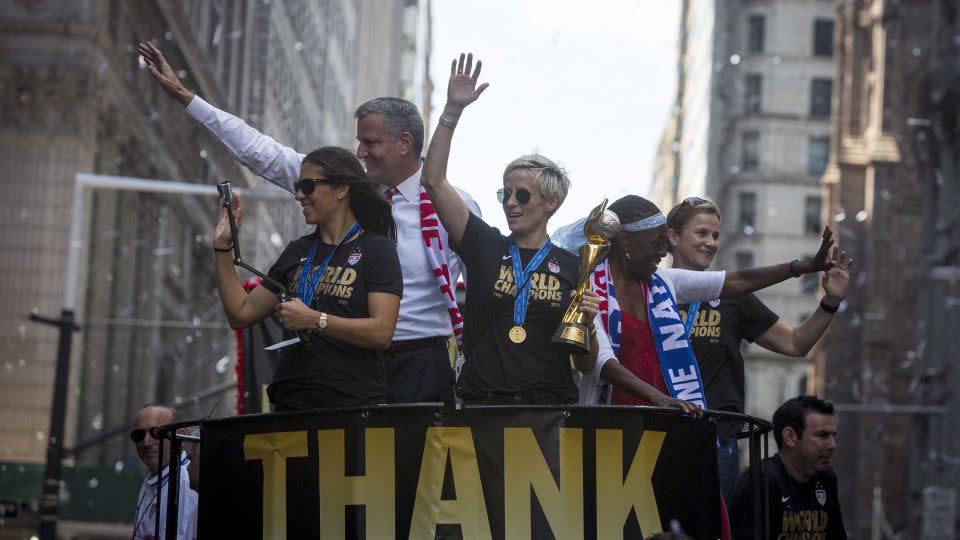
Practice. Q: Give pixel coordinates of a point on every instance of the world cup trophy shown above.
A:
(601, 226)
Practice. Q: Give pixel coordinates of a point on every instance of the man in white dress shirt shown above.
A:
(389, 142)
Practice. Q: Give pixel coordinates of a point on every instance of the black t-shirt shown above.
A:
(494, 364)
(716, 336)
(796, 509)
(327, 372)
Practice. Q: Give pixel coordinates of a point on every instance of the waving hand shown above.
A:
(462, 90)
(160, 70)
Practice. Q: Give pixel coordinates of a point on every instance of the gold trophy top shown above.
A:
(601, 225)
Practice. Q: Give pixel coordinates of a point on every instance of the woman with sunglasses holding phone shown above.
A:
(345, 284)
(520, 284)
(720, 326)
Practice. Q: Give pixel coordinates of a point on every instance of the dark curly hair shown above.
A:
(367, 204)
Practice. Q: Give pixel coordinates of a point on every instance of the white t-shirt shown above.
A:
(686, 286)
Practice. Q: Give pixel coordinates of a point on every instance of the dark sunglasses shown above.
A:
(306, 185)
(522, 195)
(693, 201)
(138, 435)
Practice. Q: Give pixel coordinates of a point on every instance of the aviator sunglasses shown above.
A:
(306, 185)
(693, 201)
(522, 195)
(137, 435)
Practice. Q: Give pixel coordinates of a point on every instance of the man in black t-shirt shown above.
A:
(802, 498)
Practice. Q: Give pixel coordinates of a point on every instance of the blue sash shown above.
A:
(613, 315)
(679, 366)
(303, 291)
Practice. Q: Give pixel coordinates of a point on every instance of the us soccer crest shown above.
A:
(354, 258)
(554, 267)
(822, 496)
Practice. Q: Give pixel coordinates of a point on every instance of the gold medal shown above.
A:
(517, 334)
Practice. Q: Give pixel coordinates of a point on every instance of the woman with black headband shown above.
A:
(345, 282)
(719, 327)
(641, 314)
(520, 284)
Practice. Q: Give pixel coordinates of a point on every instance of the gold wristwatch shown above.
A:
(322, 322)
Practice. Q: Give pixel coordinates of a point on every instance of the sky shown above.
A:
(587, 84)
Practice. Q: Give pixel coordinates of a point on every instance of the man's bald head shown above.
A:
(150, 416)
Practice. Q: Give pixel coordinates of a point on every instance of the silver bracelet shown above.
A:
(448, 122)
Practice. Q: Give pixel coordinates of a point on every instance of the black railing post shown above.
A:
(173, 488)
(53, 471)
(757, 479)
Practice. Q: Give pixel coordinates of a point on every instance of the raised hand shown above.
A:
(159, 69)
(825, 258)
(222, 238)
(462, 89)
(836, 281)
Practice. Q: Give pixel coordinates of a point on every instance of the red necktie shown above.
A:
(389, 193)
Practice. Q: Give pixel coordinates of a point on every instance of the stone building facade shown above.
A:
(893, 189)
(76, 99)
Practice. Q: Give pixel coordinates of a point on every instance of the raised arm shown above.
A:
(263, 155)
(159, 69)
(753, 279)
(462, 90)
(798, 340)
(242, 309)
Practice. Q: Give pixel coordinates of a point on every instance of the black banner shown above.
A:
(481, 472)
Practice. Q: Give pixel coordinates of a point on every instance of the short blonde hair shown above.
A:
(551, 178)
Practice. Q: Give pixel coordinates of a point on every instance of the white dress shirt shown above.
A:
(423, 311)
(145, 520)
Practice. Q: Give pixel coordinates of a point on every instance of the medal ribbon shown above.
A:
(306, 293)
(691, 316)
(522, 278)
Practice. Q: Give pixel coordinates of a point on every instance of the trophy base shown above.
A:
(573, 338)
